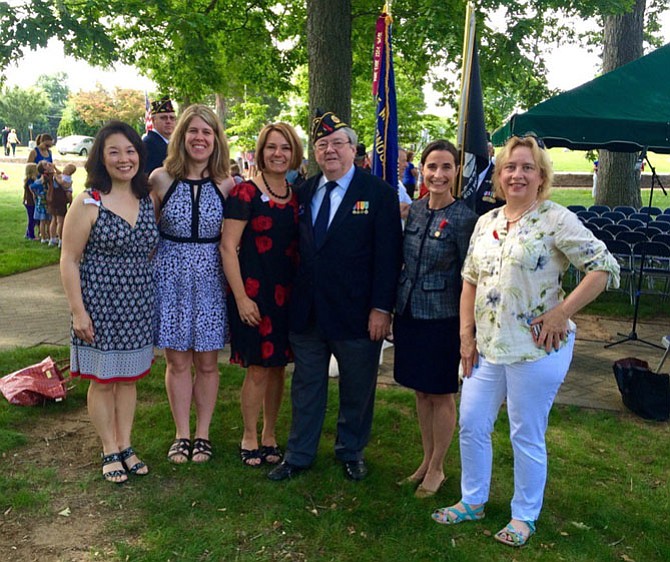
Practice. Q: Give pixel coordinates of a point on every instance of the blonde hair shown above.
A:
(31, 171)
(286, 131)
(176, 162)
(541, 158)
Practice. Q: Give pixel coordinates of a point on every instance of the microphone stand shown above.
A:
(632, 335)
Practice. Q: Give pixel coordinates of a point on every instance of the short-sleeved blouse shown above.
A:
(518, 275)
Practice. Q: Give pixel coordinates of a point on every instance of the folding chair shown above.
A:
(576, 208)
(651, 210)
(655, 258)
(586, 215)
(616, 216)
(663, 238)
(643, 217)
(602, 234)
(600, 221)
(662, 222)
(614, 229)
(631, 237)
(625, 209)
(631, 223)
(623, 254)
(599, 209)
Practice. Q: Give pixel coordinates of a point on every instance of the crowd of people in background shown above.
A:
(171, 246)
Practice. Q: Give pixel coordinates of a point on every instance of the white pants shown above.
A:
(530, 389)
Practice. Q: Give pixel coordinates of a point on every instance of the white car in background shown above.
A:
(75, 144)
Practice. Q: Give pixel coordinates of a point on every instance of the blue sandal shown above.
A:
(453, 516)
(514, 537)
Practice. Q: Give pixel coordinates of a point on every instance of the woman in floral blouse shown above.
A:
(513, 301)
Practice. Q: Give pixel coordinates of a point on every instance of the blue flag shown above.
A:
(385, 149)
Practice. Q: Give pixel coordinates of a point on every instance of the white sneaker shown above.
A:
(53, 242)
(44, 241)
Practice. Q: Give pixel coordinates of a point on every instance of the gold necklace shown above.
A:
(523, 213)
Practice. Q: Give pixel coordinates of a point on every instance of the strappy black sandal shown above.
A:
(135, 469)
(202, 447)
(111, 475)
(179, 447)
(248, 455)
(271, 451)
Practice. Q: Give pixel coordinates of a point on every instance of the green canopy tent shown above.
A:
(626, 110)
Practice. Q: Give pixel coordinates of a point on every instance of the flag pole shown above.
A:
(468, 47)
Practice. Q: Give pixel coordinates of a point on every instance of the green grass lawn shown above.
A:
(606, 497)
(16, 253)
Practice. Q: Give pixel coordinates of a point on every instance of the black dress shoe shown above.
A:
(285, 470)
(355, 470)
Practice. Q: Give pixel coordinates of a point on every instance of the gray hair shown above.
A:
(351, 135)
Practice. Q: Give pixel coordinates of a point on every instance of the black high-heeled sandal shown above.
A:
(111, 475)
(135, 469)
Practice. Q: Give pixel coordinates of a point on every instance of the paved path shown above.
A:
(33, 311)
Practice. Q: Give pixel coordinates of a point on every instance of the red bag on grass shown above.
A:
(35, 384)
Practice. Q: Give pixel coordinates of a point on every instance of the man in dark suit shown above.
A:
(156, 141)
(350, 241)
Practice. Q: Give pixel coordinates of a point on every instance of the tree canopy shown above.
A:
(251, 51)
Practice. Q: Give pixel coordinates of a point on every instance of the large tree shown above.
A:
(22, 107)
(618, 174)
(195, 48)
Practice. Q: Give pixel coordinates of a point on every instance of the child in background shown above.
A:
(29, 199)
(40, 192)
(64, 179)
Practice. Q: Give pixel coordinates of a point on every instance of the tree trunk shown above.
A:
(220, 107)
(618, 179)
(330, 58)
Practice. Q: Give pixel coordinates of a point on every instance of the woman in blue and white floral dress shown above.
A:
(190, 317)
(108, 237)
(512, 300)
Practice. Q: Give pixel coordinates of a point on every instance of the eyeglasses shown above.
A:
(338, 144)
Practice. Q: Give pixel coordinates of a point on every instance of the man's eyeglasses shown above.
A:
(338, 144)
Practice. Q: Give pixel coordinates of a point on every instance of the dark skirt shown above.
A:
(427, 354)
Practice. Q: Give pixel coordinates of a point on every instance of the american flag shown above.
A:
(148, 122)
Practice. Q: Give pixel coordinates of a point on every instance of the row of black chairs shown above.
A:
(618, 216)
(625, 209)
(628, 236)
(650, 257)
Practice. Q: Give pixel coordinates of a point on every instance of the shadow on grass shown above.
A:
(605, 499)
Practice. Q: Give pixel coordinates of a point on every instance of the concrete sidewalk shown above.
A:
(33, 311)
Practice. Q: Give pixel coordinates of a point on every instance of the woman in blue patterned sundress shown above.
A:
(190, 313)
(108, 237)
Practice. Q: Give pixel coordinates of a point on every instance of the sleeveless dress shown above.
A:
(268, 260)
(118, 294)
(190, 310)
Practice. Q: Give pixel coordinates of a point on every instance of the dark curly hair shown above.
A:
(98, 177)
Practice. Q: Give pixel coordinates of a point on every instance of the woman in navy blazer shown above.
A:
(427, 346)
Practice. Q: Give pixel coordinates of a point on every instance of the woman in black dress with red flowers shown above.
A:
(259, 251)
